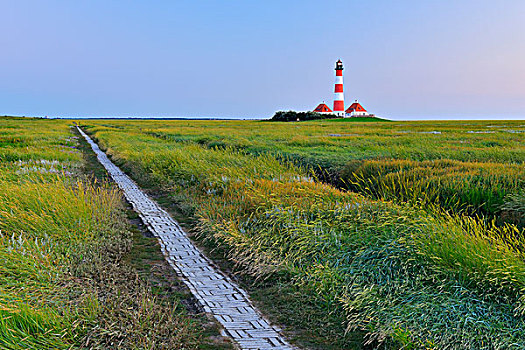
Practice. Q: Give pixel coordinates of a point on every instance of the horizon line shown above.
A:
(463, 118)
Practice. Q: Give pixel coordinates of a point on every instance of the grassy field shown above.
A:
(72, 273)
(426, 251)
(466, 166)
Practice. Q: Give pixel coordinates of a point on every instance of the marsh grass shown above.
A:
(466, 167)
(406, 274)
(64, 238)
(513, 208)
(45, 228)
(461, 187)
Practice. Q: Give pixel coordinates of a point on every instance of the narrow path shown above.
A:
(215, 291)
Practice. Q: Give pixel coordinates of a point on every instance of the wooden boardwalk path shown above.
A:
(215, 291)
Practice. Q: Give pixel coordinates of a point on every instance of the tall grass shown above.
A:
(471, 188)
(406, 276)
(464, 166)
(45, 227)
(513, 208)
(63, 284)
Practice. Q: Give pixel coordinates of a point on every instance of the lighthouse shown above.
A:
(355, 109)
(339, 99)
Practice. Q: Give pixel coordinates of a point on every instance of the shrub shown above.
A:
(292, 116)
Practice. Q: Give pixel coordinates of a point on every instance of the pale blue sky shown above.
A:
(403, 59)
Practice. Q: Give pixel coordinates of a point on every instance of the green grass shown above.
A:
(399, 161)
(462, 187)
(66, 277)
(490, 154)
(399, 269)
(359, 119)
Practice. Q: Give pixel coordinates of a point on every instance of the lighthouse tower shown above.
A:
(339, 99)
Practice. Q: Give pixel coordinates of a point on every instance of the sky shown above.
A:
(403, 60)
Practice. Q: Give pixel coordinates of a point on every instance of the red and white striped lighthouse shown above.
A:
(339, 99)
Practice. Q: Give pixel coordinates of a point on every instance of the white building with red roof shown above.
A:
(356, 110)
(323, 109)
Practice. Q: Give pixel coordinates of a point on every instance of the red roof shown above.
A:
(322, 108)
(355, 107)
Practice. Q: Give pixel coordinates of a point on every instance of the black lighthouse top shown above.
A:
(338, 65)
